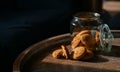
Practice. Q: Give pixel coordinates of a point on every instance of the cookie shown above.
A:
(97, 37)
(76, 40)
(79, 52)
(89, 54)
(88, 41)
(65, 51)
(85, 32)
(57, 53)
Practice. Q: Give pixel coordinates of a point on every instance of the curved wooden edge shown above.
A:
(18, 60)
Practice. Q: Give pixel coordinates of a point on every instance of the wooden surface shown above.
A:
(37, 58)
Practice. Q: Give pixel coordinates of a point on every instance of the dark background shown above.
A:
(25, 22)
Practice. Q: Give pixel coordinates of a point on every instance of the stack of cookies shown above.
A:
(83, 46)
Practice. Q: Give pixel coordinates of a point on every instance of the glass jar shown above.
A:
(92, 22)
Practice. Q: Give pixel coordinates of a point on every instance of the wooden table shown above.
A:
(37, 58)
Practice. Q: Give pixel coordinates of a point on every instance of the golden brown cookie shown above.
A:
(85, 32)
(89, 54)
(97, 38)
(65, 51)
(57, 53)
(76, 40)
(79, 52)
(88, 41)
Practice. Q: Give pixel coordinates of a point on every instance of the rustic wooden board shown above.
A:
(37, 58)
